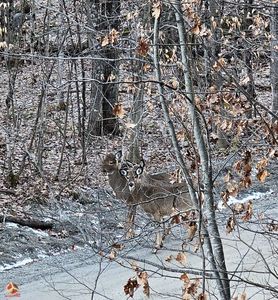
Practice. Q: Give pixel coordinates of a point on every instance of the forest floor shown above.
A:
(75, 198)
(97, 217)
(54, 263)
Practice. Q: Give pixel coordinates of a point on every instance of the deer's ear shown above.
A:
(139, 171)
(118, 155)
(123, 172)
(142, 163)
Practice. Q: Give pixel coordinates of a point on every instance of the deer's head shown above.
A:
(112, 162)
(132, 173)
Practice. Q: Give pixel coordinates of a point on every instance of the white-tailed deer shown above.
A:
(156, 197)
(112, 165)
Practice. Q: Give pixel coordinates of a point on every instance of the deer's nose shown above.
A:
(131, 185)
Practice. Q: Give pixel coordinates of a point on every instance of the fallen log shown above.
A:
(8, 192)
(36, 224)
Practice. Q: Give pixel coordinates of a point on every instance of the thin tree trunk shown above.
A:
(60, 75)
(274, 60)
(136, 114)
(248, 57)
(95, 110)
(102, 120)
(175, 143)
(217, 256)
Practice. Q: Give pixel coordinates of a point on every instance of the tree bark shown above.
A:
(104, 93)
(217, 257)
(274, 58)
(36, 224)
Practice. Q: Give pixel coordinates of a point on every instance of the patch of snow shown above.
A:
(11, 225)
(252, 196)
(16, 265)
(42, 255)
(37, 232)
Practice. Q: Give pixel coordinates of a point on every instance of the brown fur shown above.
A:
(119, 184)
(157, 197)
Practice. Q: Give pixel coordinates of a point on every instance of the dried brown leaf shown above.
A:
(230, 226)
(143, 280)
(245, 182)
(118, 110)
(110, 38)
(192, 228)
(185, 278)
(238, 208)
(202, 296)
(175, 219)
(181, 258)
(186, 296)
(169, 258)
(114, 36)
(261, 176)
(219, 64)
(247, 156)
(156, 9)
(193, 287)
(262, 164)
(196, 29)
(228, 177)
(272, 226)
(105, 41)
(131, 286)
(249, 211)
(113, 254)
(247, 168)
(143, 47)
(237, 165)
(232, 188)
(118, 246)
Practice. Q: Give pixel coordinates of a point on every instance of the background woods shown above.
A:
(190, 86)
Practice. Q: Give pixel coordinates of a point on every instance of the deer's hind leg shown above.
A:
(159, 236)
(166, 230)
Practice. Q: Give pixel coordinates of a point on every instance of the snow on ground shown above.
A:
(74, 275)
(244, 199)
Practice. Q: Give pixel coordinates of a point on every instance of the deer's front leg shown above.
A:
(158, 241)
(130, 221)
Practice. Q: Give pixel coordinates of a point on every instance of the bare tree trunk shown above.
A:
(102, 120)
(61, 34)
(274, 56)
(248, 56)
(95, 109)
(4, 23)
(215, 12)
(136, 116)
(217, 256)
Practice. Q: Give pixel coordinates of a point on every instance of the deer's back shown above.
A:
(162, 200)
(154, 200)
(156, 179)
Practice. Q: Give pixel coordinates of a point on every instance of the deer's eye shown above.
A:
(139, 171)
(123, 172)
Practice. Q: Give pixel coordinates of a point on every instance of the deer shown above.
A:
(111, 165)
(157, 198)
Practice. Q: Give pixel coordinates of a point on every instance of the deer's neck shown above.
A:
(119, 185)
